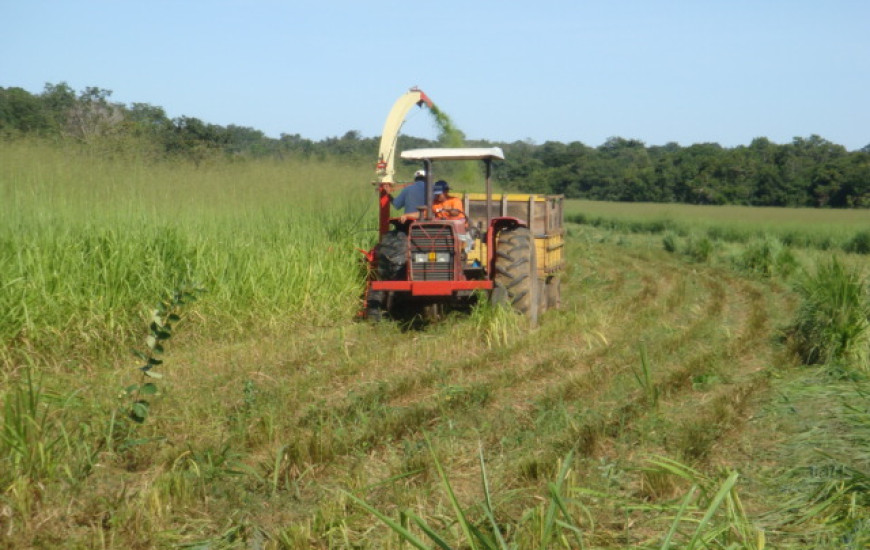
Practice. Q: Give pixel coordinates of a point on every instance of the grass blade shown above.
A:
(392, 524)
(436, 538)
(568, 523)
(555, 489)
(714, 506)
(679, 517)
(487, 508)
(457, 509)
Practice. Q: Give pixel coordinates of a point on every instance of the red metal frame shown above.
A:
(430, 288)
(383, 210)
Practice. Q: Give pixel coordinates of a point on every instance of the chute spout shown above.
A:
(424, 99)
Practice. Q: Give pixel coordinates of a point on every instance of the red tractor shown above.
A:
(505, 247)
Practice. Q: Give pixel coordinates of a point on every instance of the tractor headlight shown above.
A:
(431, 257)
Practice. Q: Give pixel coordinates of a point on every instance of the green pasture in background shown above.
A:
(819, 228)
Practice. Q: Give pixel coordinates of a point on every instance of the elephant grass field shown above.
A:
(182, 366)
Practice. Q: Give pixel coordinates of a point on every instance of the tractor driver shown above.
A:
(445, 206)
(411, 197)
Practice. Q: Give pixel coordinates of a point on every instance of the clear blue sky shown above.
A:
(723, 71)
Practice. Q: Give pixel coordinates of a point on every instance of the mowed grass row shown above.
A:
(89, 245)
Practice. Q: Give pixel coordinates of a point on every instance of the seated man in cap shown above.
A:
(446, 207)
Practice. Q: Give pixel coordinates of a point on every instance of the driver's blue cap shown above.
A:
(440, 187)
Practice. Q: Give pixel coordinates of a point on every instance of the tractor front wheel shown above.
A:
(516, 272)
(376, 305)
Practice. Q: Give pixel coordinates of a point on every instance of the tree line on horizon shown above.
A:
(809, 172)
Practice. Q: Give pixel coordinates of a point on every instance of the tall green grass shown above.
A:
(87, 242)
(833, 320)
(767, 257)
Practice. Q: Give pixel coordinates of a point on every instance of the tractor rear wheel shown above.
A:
(516, 272)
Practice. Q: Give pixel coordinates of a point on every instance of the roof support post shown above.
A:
(427, 164)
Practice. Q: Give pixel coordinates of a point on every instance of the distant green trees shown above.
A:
(90, 116)
(806, 172)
